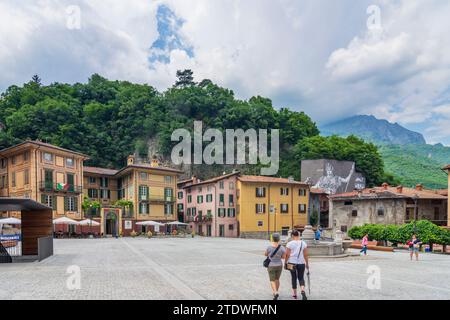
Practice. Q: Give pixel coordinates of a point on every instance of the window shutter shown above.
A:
(256, 208)
(66, 204)
(55, 199)
(43, 198)
(75, 203)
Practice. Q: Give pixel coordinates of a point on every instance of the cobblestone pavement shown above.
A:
(205, 268)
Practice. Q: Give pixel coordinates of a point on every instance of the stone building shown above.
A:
(387, 205)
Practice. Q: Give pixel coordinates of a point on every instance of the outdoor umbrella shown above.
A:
(150, 223)
(10, 221)
(88, 222)
(65, 221)
(176, 223)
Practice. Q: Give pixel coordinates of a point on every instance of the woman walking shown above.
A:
(365, 243)
(275, 252)
(297, 263)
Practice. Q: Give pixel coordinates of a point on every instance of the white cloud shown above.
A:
(313, 55)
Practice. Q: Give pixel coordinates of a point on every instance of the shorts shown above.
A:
(275, 273)
(414, 249)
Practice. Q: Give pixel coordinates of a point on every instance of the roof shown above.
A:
(390, 193)
(265, 179)
(100, 171)
(212, 180)
(19, 204)
(318, 191)
(43, 144)
(149, 167)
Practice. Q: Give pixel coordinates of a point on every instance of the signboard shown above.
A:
(128, 225)
(272, 209)
(10, 237)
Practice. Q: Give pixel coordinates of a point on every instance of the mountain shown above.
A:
(405, 153)
(374, 130)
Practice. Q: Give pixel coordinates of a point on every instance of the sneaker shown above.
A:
(276, 296)
(294, 297)
(304, 298)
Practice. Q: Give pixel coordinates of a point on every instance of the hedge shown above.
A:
(426, 231)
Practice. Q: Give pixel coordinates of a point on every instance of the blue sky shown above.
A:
(331, 59)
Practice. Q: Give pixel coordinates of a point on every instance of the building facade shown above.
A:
(210, 206)
(387, 205)
(266, 205)
(45, 173)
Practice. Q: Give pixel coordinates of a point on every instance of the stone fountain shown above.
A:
(323, 248)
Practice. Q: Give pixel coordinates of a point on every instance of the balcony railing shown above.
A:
(59, 187)
(157, 199)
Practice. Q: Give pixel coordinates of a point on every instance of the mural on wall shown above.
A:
(332, 176)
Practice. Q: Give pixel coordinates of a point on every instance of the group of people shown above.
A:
(413, 244)
(293, 258)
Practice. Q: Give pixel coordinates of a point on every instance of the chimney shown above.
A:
(400, 189)
(194, 180)
(419, 187)
(385, 186)
(130, 160)
(154, 163)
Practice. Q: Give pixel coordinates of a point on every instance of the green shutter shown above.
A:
(55, 199)
(75, 202)
(66, 204)
(43, 198)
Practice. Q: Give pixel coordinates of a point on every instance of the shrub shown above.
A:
(133, 234)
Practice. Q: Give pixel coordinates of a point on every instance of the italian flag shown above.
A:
(62, 186)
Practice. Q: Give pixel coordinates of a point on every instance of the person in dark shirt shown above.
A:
(414, 247)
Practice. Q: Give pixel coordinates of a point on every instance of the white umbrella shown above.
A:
(65, 220)
(149, 223)
(10, 221)
(177, 223)
(89, 222)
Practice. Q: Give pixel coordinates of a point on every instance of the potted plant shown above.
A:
(133, 234)
(149, 235)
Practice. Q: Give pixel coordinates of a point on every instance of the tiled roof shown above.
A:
(318, 191)
(391, 192)
(212, 180)
(101, 171)
(147, 166)
(43, 144)
(265, 179)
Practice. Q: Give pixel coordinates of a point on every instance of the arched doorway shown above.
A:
(111, 224)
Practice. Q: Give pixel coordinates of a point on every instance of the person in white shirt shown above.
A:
(297, 262)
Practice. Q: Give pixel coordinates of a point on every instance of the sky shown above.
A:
(331, 59)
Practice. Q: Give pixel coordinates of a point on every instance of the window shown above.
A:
(209, 198)
(284, 191)
(70, 204)
(104, 182)
(231, 212)
(13, 160)
(260, 223)
(348, 203)
(302, 192)
(222, 199)
(221, 185)
(143, 175)
(302, 208)
(381, 212)
(200, 189)
(3, 163)
(144, 208)
(199, 199)
(260, 192)
(168, 194)
(168, 209)
(48, 157)
(221, 212)
(93, 193)
(354, 213)
(231, 185)
(180, 195)
(143, 193)
(231, 227)
(26, 156)
(26, 176)
(189, 198)
(260, 208)
(284, 208)
(49, 201)
(231, 200)
(285, 231)
(180, 207)
(209, 188)
(70, 180)
(3, 182)
(105, 194)
(344, 228)
(168, 179)
(92, 180)
(70, 162)
(13, 179)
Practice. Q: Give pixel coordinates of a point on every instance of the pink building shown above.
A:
(209, 206)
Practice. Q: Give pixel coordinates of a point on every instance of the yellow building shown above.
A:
(267, 205)
(45, 173)
(148, 186)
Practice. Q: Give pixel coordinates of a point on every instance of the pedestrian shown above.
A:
(414, 247)
(275, 252)
(297, 262)
(318, 234)
(365, 243)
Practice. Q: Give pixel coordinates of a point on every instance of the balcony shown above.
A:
(157, 199)
(46, 186)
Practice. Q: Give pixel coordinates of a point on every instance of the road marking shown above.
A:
(176, 283)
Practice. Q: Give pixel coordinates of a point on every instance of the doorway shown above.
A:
(222, 231)
(111, 224)
(208, 230)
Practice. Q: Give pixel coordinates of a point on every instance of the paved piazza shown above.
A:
(205, 268)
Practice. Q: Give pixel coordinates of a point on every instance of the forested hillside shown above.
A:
(109, 120)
